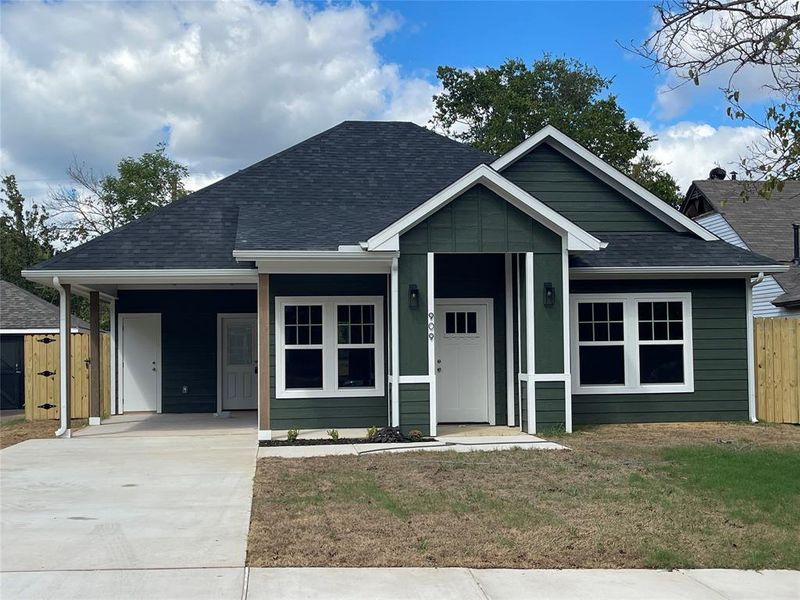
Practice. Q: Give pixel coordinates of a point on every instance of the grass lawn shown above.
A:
(693, 495)
(16, 430)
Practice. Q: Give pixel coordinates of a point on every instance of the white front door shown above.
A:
(463, 392)
(239, 363)
(141, 362)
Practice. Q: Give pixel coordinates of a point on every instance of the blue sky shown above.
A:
(231, 82)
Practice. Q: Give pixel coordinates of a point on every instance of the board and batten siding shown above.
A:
(719, 322)
(581, 197)
(763, 293)
(317, 413)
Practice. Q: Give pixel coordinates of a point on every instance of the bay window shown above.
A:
(329, 347)
(631, 343)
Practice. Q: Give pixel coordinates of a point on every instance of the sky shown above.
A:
(226, 84)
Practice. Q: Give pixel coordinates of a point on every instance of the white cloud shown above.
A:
(227, 82)
(690, 150)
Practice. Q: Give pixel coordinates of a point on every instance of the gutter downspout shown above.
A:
(63, 430)
(751, 359)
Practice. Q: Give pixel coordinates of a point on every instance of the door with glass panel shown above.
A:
(239, 363)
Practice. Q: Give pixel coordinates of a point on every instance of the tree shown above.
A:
(494, 109)
(95, 205)
(25, 237)
(696, 38)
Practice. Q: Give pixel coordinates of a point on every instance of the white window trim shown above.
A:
(330, 363)
(632, 343)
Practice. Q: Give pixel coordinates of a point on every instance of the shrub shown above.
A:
(415, 435)
(333, 434)
(292, 434)
(372, 432)
(388, 435)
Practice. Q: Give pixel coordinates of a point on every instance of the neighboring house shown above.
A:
(22, 313)
(380, 273)
(757, 224)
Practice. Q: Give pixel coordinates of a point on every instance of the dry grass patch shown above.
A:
(711, 495)
(14, 431)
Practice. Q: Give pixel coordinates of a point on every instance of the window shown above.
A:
(460, 323)
(329, 347)
(631, 343)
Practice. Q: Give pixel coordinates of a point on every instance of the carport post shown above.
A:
(94, 358)
(65, 375)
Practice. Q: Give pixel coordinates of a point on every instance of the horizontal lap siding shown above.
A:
(415, 407)
(719, 317)
(188, 340)
(549, 405)
(316, 413)
(569, 189)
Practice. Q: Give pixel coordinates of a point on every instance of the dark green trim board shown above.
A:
(314, 413)
(188, 340)
(415, 407)
(719, 327)
(581, 197)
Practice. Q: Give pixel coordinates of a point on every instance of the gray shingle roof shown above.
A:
(666, 250)
(19, 309)
(764, 225)
(339, 187)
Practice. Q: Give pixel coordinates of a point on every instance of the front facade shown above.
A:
(380, 274)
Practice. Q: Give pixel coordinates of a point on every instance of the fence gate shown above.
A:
(777, 341)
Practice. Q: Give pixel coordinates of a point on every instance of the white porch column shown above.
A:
(395, 335)
(510, 420)
(65, 377)
(530, 342)
(567, 345)
(751, 361)
(431, 344)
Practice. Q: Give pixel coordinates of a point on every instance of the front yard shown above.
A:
(17, 429)
(693, 495)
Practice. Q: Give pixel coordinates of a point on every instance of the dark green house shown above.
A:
(379, 273)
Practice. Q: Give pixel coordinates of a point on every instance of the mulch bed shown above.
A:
(329, 442)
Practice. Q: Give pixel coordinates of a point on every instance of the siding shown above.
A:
(719, 318)
(717, 225)
(581, 197)
(550, 405)
(188, 340)
(314, 413)
(415, 407)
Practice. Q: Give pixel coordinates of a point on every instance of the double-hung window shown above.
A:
(631, 343)
(327, 347)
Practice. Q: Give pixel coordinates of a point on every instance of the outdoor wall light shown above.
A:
(413, 296)
(549, 294)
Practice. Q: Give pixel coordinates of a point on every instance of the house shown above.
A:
(769, 227)
(21, 314)
(379, 273)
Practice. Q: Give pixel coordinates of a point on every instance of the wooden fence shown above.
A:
(43, 382)
(777, 341)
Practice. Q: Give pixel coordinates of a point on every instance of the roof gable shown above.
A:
(22, 310)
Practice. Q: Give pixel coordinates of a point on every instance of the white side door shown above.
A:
(463, 391)
(140, 355)
(239, 363)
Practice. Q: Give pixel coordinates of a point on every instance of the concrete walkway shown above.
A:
(392, 584)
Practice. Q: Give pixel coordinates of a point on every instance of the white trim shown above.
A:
(675, 271)
(404, 379)
(220, 333)
(631, 343)
(530, 343)
(64, 429)
(578, 239)
(39, 331)
(94, 421)
(489, 304)
(619, 181)
(122, 319)
(329, 347)
(540, 377)
(565, 305)
(510, 420)
(431, 334)
(751, 360)
(395, 338)
(110, 276)
(519, 341)
(112, 348)
(344, 253)
(264, 435)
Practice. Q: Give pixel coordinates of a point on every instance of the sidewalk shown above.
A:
(391, 584)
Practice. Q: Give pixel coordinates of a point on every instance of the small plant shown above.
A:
(333, 434)
(292, 434)
(372, 432)
(415, 435)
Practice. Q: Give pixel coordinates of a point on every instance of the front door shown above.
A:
(141, 362)
(239, 363)
(463, 392)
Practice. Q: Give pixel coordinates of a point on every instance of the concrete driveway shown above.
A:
(130, 495)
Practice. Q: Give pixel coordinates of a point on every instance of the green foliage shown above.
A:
(292, 434)
(25, 237)
(495, 109)
(415, 435)
(372, 431)
(333, 434)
